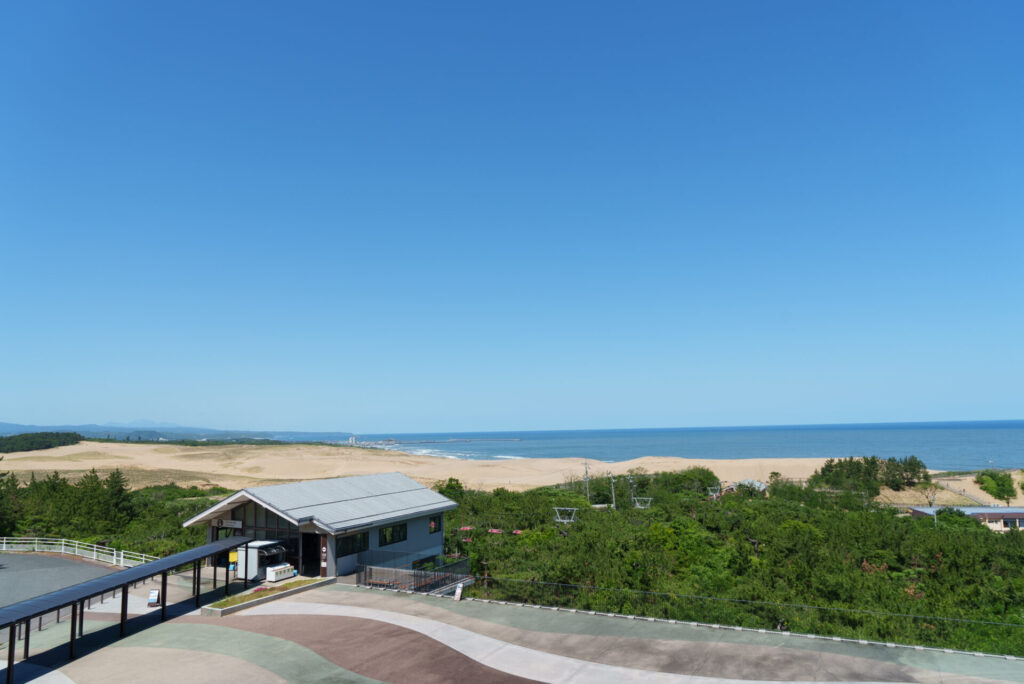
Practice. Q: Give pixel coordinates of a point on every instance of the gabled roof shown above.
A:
(339, 504)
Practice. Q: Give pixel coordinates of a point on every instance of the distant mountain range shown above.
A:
(147, 430)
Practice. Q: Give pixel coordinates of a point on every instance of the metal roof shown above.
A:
(340, 504)
(992, 511)
(30, 608)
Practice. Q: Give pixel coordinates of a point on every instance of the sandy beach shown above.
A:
(248, 465)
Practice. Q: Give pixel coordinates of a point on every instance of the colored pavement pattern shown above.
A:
(341, 633)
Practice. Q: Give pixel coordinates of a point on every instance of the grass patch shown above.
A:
(260, 592)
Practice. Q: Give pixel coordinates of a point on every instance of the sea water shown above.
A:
(942, 446)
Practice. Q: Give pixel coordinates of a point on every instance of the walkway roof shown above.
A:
(339, 505)
(30, 608)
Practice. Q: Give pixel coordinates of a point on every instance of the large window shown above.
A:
(436, 523)
(392, 535)
(353, 543)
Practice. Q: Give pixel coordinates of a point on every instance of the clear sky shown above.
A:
(433, 216)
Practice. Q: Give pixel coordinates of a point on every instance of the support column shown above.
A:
(323, 555)
(74, 628)
(81, 617)
(28, 628)
(124, 610)
(163, 595)
(227, 573)
(10, 652)
(245, 570)
(214, 571)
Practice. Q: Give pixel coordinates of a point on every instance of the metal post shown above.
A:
(227, 573)
(10, 653)
(214, 564)
(81, 617)
(196, 581)
(245, 570)
(28, 627)
(124, 609)
(74, 626)
(163, 595)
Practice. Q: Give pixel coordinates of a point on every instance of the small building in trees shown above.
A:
(996, 518)
(329, 527)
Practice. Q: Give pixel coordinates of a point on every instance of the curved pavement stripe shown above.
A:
(500, 655)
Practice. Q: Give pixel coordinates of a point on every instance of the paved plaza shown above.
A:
(341, 633)
(24, 575)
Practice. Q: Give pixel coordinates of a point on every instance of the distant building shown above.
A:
(328, 527)
(995, 518)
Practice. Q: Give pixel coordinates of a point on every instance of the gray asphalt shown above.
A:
(24, 575)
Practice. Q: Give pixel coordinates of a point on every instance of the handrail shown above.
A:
(104, 554)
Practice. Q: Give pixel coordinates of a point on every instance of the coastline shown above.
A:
(237, 466)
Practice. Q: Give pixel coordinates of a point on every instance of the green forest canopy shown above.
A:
(758, 556)
(33, 441)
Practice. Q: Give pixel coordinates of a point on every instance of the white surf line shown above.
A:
(503, 656)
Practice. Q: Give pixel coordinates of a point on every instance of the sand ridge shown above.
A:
(236, 466)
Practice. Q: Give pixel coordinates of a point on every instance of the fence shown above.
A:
(104, 554)
(990, 636)
(421, 580)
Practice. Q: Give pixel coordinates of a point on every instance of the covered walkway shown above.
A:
(19, 616)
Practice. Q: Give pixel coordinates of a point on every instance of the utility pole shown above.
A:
(613, 491)
(586, 477)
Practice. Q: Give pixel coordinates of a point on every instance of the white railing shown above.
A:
(103, 554)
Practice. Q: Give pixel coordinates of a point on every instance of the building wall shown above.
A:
(419, 543)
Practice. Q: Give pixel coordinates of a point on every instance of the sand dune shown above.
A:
(246, 465)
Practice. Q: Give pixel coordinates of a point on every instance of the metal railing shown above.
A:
(103, 554)
(423, 580)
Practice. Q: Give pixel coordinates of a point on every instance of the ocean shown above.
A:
(942, 446)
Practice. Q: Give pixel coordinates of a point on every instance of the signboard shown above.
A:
(234, 524)
(458, 592)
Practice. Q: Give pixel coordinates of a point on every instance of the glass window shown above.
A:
(436, 523)
(353, 543)
(250, 513)
(392, 535)
(261, 516)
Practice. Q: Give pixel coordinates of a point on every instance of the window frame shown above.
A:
(392, 534)
(361, 544)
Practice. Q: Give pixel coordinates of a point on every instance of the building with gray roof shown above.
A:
(996, 518)
(330, 526)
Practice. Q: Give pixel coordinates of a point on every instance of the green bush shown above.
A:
(998, 484)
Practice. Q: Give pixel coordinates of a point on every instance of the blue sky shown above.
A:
(471, 216)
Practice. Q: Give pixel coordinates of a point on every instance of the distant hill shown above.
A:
(137, 433)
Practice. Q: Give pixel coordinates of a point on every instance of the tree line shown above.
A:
(33, 441)
(103, 510)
